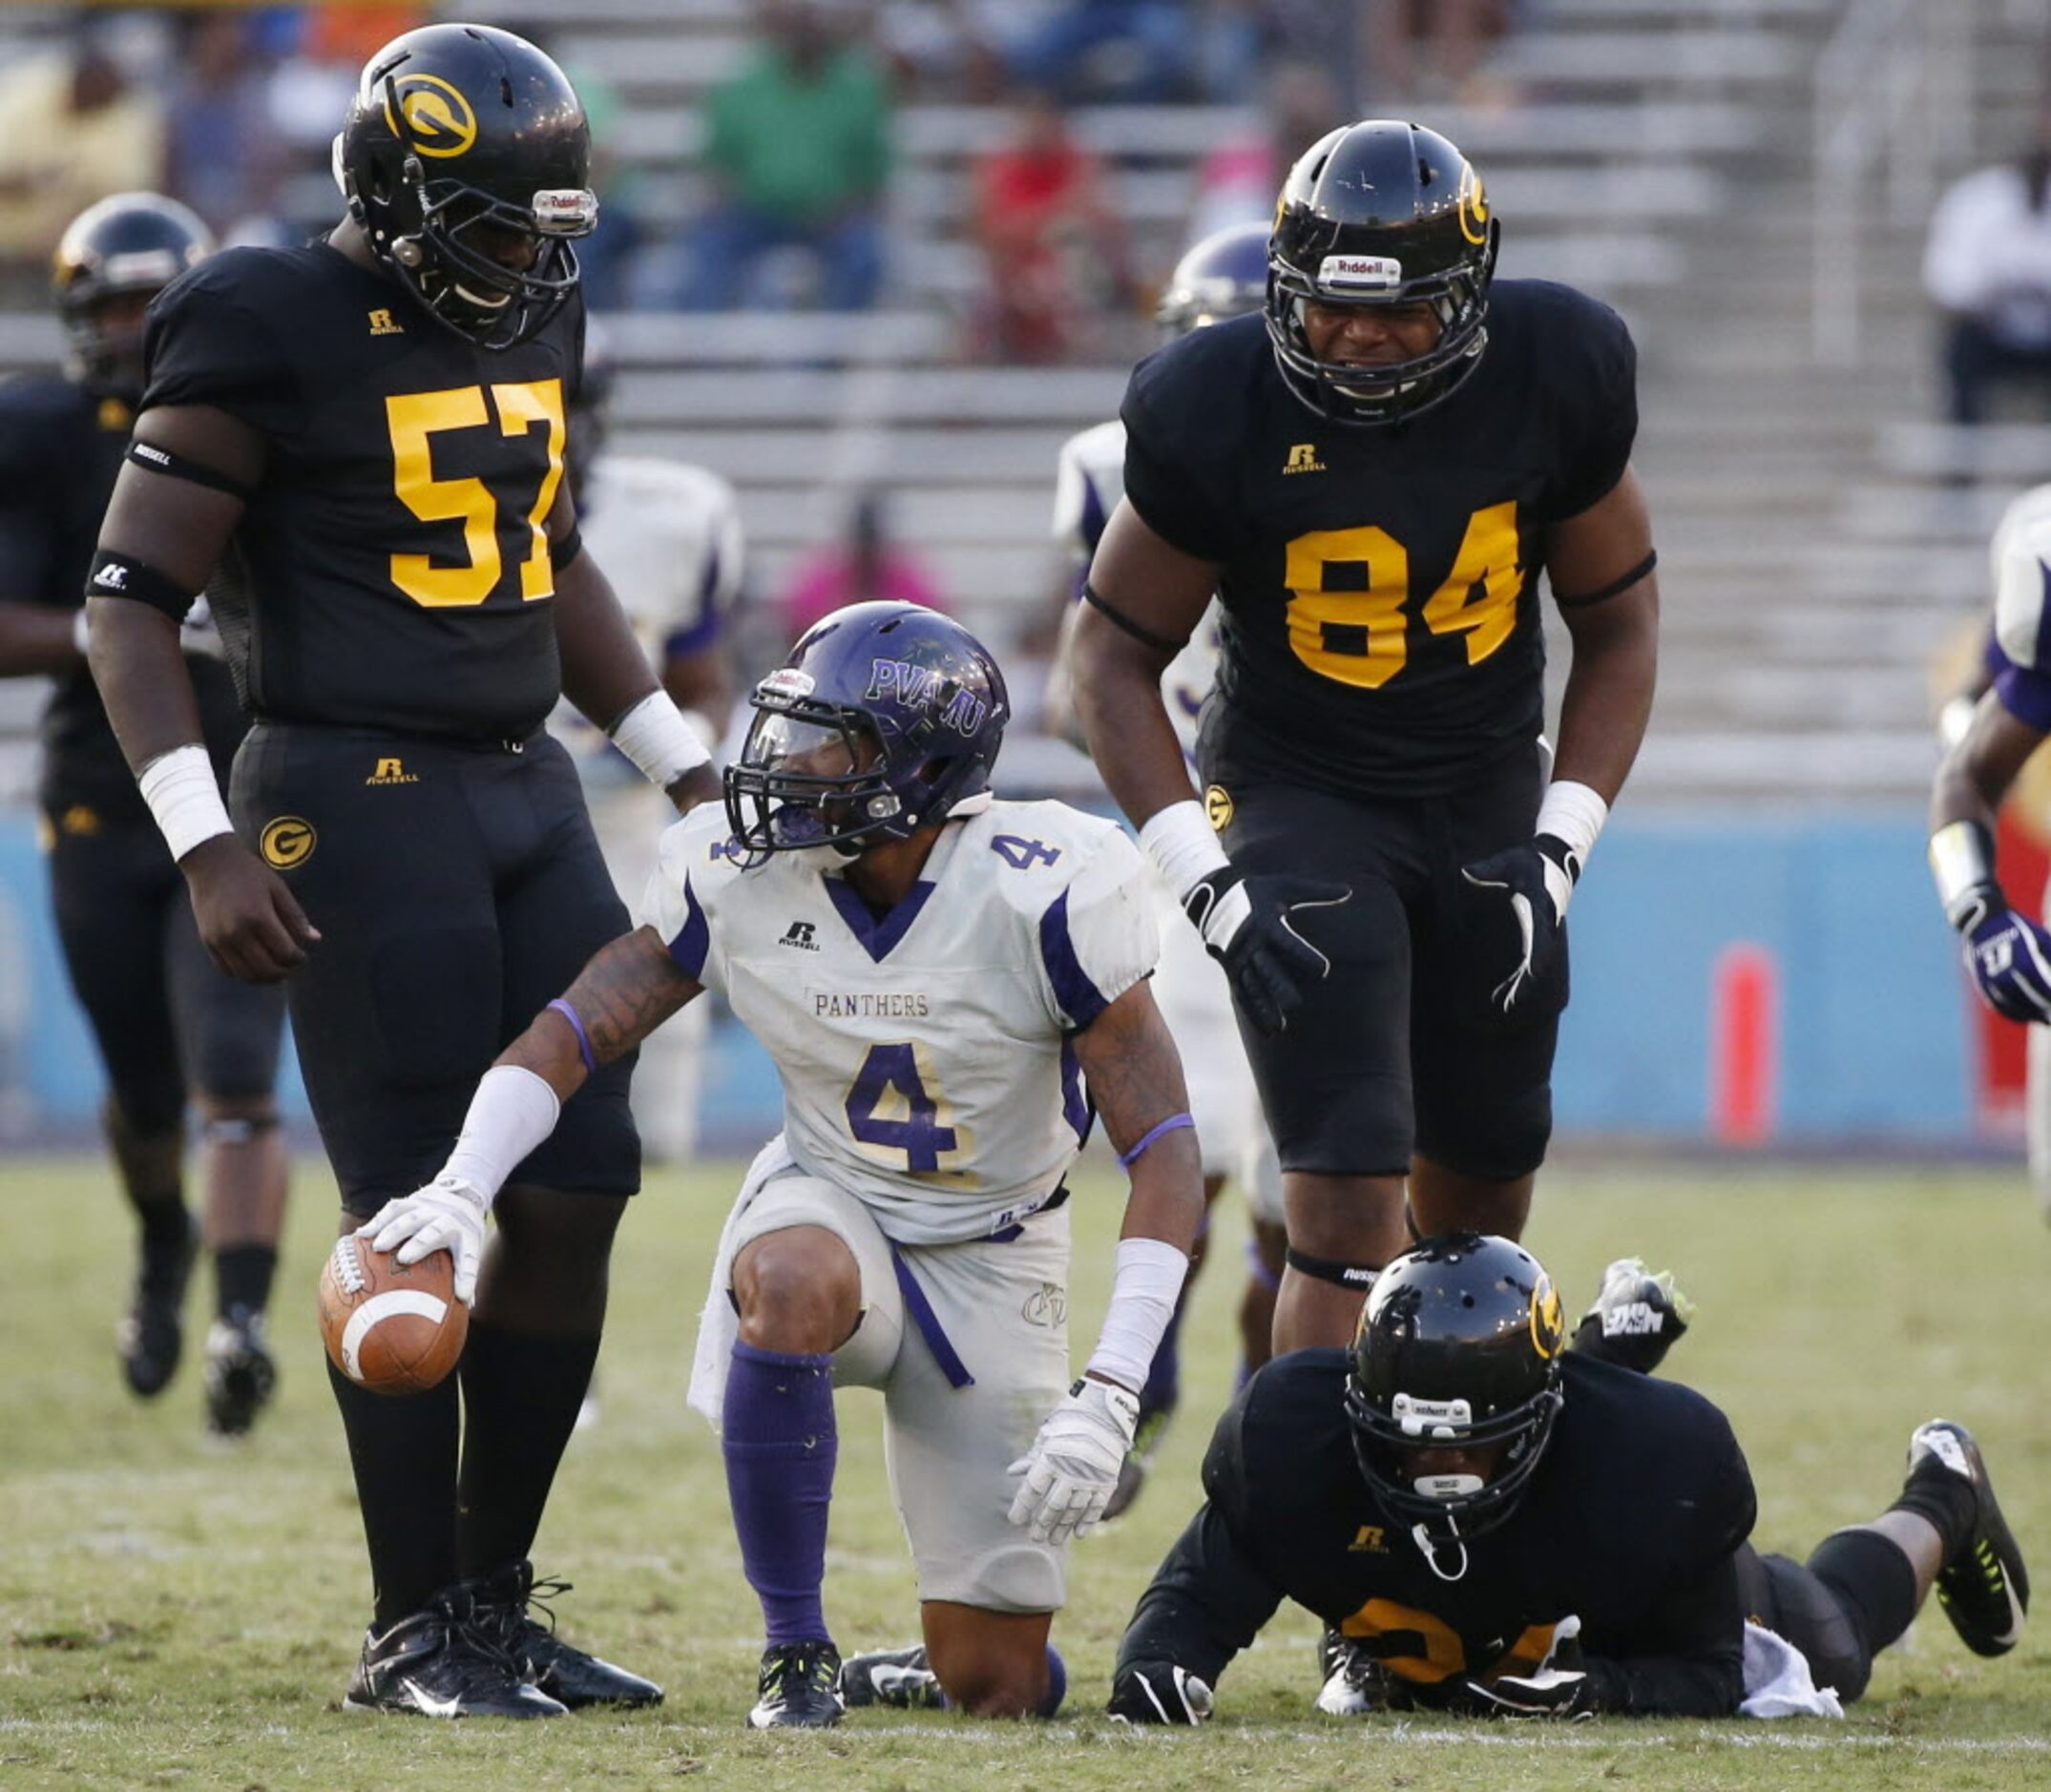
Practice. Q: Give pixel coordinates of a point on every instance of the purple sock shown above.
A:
(780, 1446)
(1056, 1683)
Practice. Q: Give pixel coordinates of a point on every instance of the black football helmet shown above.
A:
(1381, 212)
(1458, 1346)
(126, 245)
(464, 150)
(903, 687)
(1224, 276)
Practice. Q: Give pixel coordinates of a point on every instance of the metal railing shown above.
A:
(1894, 93)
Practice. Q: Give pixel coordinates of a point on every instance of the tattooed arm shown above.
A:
(630, 988)
(1136, 1082)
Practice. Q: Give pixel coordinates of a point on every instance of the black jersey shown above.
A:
(393, 571)
(60, 450)
(1381, 625)
(1630, 1523)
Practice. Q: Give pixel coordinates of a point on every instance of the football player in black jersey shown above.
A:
(1506, 1529)
(367, 434)
(167, 1023)
(1372, 477)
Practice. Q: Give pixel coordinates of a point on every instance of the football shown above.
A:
(395, 1329)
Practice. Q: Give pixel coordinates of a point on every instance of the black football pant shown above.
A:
(458, 888)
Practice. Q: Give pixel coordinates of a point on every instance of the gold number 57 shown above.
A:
(415, 419)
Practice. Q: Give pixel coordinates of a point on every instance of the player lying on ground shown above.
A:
(935, 972)
(1506, 1530)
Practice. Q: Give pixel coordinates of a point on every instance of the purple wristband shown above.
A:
(583, 1038)
(1174, 1123)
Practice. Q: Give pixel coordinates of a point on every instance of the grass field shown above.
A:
(179, 1612)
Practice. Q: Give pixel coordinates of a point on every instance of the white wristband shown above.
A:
(1144, 1293)
(1572, 813)
(656, 736)
(1183, 845)
(511, 1113)
(182, 795)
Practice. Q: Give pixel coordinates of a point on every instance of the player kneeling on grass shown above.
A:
(935, 972)
(1505, 1529)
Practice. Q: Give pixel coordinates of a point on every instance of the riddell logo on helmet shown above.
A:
(1359, 273)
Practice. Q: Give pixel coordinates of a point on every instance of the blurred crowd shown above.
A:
(796, 193)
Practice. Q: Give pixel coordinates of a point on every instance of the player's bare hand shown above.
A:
(249, 920)
(700, 784)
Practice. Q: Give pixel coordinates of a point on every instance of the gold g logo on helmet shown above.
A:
(1548, 1320)
(1474, 208)
(439, 121)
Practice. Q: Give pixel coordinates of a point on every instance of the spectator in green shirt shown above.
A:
(798, 146)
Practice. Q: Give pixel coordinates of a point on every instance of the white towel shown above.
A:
(719, 1325)
(1777, 1683)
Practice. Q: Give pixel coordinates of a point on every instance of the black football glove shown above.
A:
(1159, 1691)
(1557, 1687)
(1248, 927)
(1538, 878)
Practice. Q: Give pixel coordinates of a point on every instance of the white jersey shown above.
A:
(2020, 556)
(1088, 482)
(667, 536)
(925, 1055)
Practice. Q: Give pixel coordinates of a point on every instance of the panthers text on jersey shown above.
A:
(924, 1054)
(61, 448)
(393, 571)
(1380, 585)
(1630, 1523)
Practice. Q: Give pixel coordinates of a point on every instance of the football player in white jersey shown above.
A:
(1222, 277)
(675, 531)
(950, 985)
(2007, 952)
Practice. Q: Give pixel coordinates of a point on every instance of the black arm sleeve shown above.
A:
(1693, 1665)
(1207, 1601)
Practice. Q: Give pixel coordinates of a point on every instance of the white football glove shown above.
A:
(1071, 1470)
(448, 1214)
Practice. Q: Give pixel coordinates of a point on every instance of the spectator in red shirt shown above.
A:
(1055, 248)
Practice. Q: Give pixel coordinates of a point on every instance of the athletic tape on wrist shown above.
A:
(184, 797)
(511, 1113)
(1573, 814)
(1147, 1284)
(1183, 845)
(1961, 859)
(656, 736)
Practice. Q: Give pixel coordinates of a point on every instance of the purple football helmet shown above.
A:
(1224, 276)
(883, 719)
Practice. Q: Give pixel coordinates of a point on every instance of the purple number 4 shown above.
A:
(921, 1137)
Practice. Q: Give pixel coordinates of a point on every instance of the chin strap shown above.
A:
(1429, 1547)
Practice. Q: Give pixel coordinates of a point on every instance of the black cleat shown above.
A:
(1636, 1319)
(239, 1372)
(798, 1688)
(151, 1337)
(1984, 1589)
(442, 1663)
(1146, 1438)
(572, 1679)
(898, 1678)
